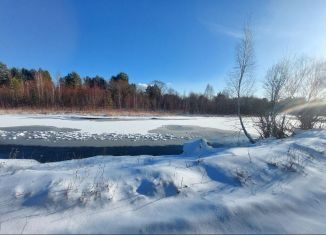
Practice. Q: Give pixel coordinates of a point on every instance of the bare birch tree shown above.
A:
(209, 92)
(241, 82)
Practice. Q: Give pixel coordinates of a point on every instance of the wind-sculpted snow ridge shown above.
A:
(276, 186)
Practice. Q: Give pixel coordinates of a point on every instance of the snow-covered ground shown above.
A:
(87, 130)
(275, 186)
(120, 125)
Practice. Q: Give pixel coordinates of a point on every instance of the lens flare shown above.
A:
(309, 105)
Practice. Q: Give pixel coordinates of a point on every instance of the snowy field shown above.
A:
(80, 130)
(120, 124)
(276, 186)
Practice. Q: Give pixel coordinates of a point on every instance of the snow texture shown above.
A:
(120, 124)
(275, 186)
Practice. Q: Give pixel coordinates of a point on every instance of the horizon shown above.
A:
(186, 45)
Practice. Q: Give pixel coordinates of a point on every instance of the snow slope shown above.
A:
(275, 186)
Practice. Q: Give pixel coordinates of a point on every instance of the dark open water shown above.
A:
(45, 154)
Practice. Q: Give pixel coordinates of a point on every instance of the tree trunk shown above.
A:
(239, 111)
(242, 125)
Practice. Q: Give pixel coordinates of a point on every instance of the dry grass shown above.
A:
(109, 112)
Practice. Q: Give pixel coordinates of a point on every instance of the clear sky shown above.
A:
(185, 43)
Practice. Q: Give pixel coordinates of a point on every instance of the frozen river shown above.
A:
(61, 137)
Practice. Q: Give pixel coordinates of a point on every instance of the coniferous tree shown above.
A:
(4, 74)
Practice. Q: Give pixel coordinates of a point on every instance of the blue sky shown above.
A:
(186, 44)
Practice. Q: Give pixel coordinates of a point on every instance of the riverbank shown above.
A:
(253, 189)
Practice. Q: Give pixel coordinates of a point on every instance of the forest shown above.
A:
(31, 88)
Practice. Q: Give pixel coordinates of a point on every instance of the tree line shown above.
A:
(31, 88)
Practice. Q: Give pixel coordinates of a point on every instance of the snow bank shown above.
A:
(273, 187)
(197, 148)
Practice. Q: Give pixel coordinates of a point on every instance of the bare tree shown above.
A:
(241, 82)
(163, 87)
(314, 83)
(209, 92)
(277, 77)
(313, 91)
(293, 86)
(298, 69)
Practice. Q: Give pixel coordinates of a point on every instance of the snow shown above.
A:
(78, 135)
(120, 124)
(274, 186)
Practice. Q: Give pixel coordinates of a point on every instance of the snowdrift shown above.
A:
(275, 186)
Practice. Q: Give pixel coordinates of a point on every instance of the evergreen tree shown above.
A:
(72, 80)
(4, 74)
(28, 75)
(121, 77)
